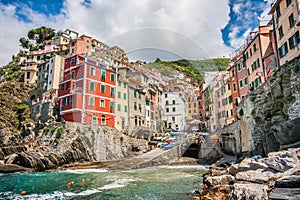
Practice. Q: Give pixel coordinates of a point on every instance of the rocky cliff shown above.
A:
(276, 111)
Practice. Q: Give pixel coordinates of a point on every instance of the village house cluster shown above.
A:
(272, 46)
(84, 80)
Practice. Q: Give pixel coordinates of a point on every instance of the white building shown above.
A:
(173, 110)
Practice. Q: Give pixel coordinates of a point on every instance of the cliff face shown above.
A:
(276, 111)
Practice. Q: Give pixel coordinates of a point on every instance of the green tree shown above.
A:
(38, 36)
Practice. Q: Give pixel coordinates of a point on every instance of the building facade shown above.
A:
(286, 19)
(87, 92)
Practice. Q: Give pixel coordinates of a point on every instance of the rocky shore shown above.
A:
(275, 177)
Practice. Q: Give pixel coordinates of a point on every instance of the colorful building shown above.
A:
(87, 92)
(286, 19)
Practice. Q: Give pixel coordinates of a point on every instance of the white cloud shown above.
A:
(197, 24)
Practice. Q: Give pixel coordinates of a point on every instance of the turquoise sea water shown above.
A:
(176, 182)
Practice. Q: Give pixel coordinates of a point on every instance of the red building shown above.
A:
(87, 92)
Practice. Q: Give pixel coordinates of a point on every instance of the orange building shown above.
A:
(87, 92)
(81, 45)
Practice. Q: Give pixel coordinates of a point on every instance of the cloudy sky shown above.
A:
(146, 29)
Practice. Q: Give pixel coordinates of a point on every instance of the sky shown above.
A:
(145, 29)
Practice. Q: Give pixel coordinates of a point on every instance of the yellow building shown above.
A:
(286, 22)
(121, 104)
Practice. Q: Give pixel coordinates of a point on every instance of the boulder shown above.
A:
(249, 191)
(220, 180)
(251, 164)
(220, 192)
(281, 161)
(285, 193)
(288, 182)
(253, 176)
(9, 168)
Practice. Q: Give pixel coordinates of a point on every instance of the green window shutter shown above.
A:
(102, 88)
(119, 107)
(112, 77)
(119, 94)
(124, 96)
(125, 108)
(112, 91)
(92, 86)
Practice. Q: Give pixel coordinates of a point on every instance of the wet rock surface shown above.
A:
(274, 177)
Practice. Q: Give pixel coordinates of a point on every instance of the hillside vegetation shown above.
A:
(191, 68)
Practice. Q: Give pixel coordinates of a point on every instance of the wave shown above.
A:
(54, 195)
(117, 184)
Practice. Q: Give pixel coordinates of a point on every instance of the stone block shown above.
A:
(250, 191)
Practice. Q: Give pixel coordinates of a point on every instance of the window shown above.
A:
(174, 109)
(125, 108)
(167, 102)
(234, 87)
(280, 32)
(112, 106)
(135, 106)
(92, 71)
(294, 40)
(66, 101)
(28, 75)
(134, 94)
(230, 99)
(102, 103)
(95, 119)
(228, 86)
(73, 50)
(87, 46)
(250, 52)
(102, 90)
(119, 94)
(139, 95)
(254, 47)
(239, 67)
(140, 107)
(173, 102)
(246, 80)
(67, 85)
(119, 83)
(167, 110)
(241, 83)
(278, 13)
(173, 119)
(72, 61)
(92, 86)
(73, 74)
(283, 50)
(103, 120)
(291, 20)
(288, 2)
(119, 107)
(166, 95)
(112, 77)
(62, 87)
(91, 101)
(112, 91)
(124, 96)
(125, 85)
(103, 75)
